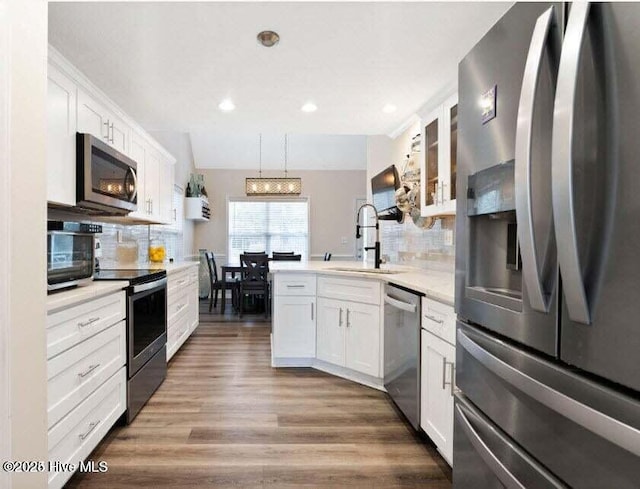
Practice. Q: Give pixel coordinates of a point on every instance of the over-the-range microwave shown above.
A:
(106, 180)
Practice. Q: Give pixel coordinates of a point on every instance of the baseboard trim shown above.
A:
(345, 373)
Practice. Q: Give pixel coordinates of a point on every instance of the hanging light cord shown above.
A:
(285, 154)
(260, 163)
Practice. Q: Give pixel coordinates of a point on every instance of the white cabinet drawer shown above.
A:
(78, 433)
(178, 281)
(295, 284)
(439, 319)
(350, 289)
(79, 371)
(70, 326)
(179, 302)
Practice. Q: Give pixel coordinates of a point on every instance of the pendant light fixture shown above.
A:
(274, 186)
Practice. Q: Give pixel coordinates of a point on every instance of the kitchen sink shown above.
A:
(363, 270)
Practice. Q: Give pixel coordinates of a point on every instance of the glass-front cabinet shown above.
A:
(439, 153)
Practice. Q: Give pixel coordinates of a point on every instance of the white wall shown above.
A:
(332, 195)
(27, 52)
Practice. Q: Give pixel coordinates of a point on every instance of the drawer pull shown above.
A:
(434, 319)
(88, 322)
(300, 286)
(92, 426)
(88, 371)
(181, 307)
(183, 281)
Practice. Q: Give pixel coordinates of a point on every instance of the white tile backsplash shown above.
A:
(408, 244)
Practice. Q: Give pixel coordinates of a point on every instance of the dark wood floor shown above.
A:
(225, 419)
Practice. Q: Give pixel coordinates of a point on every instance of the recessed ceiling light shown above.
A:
(226, 105)
(309, 107)
(389, 108)
(268, 38)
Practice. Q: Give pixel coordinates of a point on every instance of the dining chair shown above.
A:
(287, 257)
(254, 280)
(282, 253)
(216, 284)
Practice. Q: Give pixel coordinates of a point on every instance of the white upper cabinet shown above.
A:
(439, 159)
(120, 134)
(92, 116)
(152, 180)
(61, 138)
(74, 104)
(138, 153)
(167, 214)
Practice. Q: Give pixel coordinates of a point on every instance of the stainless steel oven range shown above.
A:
(146, 333)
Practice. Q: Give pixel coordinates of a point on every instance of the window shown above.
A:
(268, 225)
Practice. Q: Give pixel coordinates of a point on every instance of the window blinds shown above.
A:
(268, 225)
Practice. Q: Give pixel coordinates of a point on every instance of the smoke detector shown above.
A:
(268, 38)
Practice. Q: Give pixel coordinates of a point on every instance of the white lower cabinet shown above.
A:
(182, 308)
(74, 438)
(349, 335)
(437, 387)
(330, 327)
(295, 336)
(86, 379)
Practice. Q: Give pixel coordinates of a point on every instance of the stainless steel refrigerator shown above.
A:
(548, 251)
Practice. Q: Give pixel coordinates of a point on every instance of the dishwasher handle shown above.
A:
(405, 306)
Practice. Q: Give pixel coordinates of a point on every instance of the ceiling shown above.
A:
(169, 64)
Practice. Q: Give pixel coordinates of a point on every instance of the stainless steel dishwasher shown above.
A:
(402, 350)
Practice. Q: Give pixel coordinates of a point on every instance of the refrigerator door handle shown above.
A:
(497, 467)
(562, 165)
(621, 434)
(508, 450)
(542, 36)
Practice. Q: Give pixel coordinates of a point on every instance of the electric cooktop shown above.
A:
(134, 276)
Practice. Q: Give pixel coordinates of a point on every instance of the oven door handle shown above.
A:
(151, 285)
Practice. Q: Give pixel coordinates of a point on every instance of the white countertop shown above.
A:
(82, 293)
(434, 284)
(169, 267)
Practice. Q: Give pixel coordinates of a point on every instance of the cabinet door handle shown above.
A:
(88, 322)
(444, 373)
(175, 215)
(106, 124)
(348, 323)
(434, 319)
(312, 311)
(112, 136)
(453, 376)
(295, 286)
(340, 319)
(88, 371)
(181, 307)
(92, 426)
